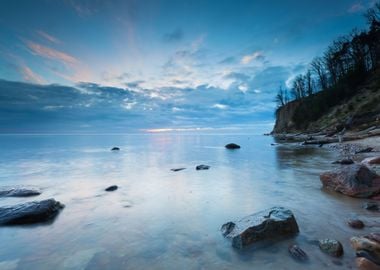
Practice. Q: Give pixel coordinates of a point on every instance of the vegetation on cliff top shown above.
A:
(335, 77)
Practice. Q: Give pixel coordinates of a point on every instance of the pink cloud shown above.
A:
(357, 7)
(48, 37)
(51, 53)
(30, 75)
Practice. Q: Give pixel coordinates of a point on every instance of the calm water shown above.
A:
(160, 219)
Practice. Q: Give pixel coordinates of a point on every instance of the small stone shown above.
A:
(111, 188)
(355, 223)
(371, 206)
(331, 247)
(363, 243)
(373, 237)
(346, 161)
(177, 169)
(371, 161)
(365, 264)
(365, 150)
(202, 167)
(115, 149)
(232, 146)
(297, 253)
(19, 192)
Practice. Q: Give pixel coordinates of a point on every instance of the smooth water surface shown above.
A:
(159, 219)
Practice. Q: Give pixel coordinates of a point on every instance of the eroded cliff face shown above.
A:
(284, 118)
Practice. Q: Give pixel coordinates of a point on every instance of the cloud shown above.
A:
(220, 106)
(30, 76)
(48, 37)
(356, 8)
(174, 36)
(50, 53)
(246, 59)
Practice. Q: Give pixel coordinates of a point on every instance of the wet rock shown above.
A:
(363, 243)
(115, 149)
(353, 180)
(371, 206)
(331, 247)
(297, 253)
(271, 223)
(202, 167)
(19, 192)
(177, 169)
(369, 255)
(112, 188)
(30, 212)
(371, 161)
(365, 264)
(373, 237)
(346, 161)
(355, 223)
(232, 146)
(364, 150)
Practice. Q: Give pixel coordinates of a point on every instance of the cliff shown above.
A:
(356, 112)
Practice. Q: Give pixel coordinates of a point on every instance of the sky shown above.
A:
(153, 65)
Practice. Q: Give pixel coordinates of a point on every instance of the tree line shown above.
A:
(344, 64)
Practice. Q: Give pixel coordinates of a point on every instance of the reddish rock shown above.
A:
(371, 161)
(355, 223)
(365, 264)
(353, 180)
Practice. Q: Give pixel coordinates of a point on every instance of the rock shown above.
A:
(365, 150)
(202, 167)
(365, 264)
(111, 188)
(346, 161)
(177, 169)
(371, 161)
(371, 206)
(297, 253)
(331, 247)
(30, 212)
(373, 237)
(362, 243)
(19, 192)
(270, 223)
(115, 149)
(232, 146)
(353, 180)
(369, 255)
(355, 223)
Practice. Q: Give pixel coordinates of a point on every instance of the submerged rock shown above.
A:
(232, 146)
(115, 149)
(297, 253)
(19, 192)
(270, 223)
(364, 150)
(30, 212)
(112, 188)
(371, 206)
(352, 180)
(202, 167)
(346, 161)
(178, 169)
(365, 264)
(331, 247)
(355, 223)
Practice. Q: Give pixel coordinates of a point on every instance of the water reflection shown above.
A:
(159, 219)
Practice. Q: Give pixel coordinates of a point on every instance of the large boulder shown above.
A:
(353, 180)
(19, 192)
(270, 223)
(30, 212)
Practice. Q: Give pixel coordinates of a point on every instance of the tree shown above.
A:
(318, 67)
(281, 97)
(309, 83)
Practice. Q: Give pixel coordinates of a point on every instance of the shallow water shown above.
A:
(159, 219)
